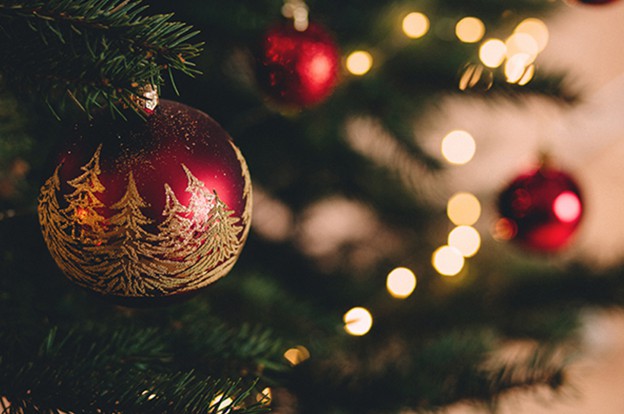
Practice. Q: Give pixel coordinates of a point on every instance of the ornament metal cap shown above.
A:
(146, 98)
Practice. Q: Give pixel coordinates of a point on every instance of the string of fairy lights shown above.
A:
(516, 56)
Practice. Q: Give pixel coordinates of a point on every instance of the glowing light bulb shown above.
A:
(358, 321)
(265, 396)
(492, 53)
(297, 355)
(463, 209)
(458, 147)
(223, 405)
(529, 72)
(359, 62)
(466, 239)
(521, 43)
(415, 25)
(567, 207)
(401, 282)
(537, 29)
(447, 260)
(516, 67)
(469, 29)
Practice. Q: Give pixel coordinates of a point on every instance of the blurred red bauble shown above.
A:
(139, 211)
(298, 68)
(591, 2)
(541, 209)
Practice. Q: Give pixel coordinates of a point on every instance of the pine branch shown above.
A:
(91, 52)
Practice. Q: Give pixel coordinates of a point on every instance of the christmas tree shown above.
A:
(381, 274)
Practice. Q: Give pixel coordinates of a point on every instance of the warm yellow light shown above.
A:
(516, 67)
(297, 355)
(469, 29)
(466, 239)
(492, 53)
(521, 43)
(458, 147)
(415, 25)
(536, 29)
(359, 62)
(401, 282)
(265, 396)
(447, 260)
(222, 405)
(358, 321)
(528, 75)
(463, 209)
(476, 76)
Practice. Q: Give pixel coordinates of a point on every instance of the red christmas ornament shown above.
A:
(298, 68)
(144, 210)
(540, 209)
(591, 2)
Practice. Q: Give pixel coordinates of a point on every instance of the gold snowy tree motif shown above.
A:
(126, 255)
(87, 223)
(56, 230)
(134, 258)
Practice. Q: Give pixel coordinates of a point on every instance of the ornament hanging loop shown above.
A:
(298, 11)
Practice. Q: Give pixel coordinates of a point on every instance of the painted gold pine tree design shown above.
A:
(193, 245)
(87, 222)
(130, 250)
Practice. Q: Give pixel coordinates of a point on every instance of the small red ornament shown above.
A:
(540, 209)
(591, 2)
(143, 210)
(298, 68)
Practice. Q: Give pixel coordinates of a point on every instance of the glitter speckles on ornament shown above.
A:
(134, 211)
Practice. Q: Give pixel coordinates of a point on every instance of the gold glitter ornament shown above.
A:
(146, 211)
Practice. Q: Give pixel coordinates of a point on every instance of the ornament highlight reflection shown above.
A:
(567, 207)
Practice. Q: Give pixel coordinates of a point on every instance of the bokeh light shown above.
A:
(401, 282)
(535, 28)
(458, 147)
(475, 76)
(297, 355)
(359, 62)
(529, 72)
(265, 396)
(567, 207)
(463, 209)
(447, 260)
(517, 66)
(415, 25)
(469, 29)
(504, 229)
(492, 53)
(466, 239)
(521, 43)
(358, 321)
(222, 405)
